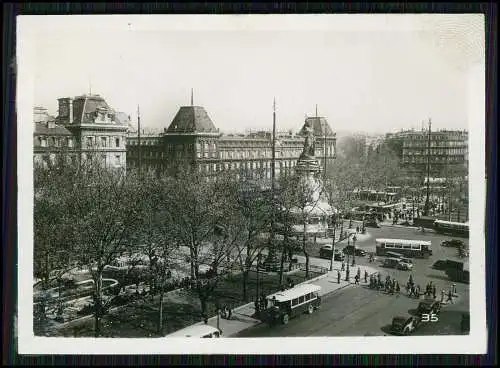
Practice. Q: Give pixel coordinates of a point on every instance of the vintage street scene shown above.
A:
(250, 183)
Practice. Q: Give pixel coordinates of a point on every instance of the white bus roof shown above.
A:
(403, 241)
(199, 330)
(295, 292)
(452, 223)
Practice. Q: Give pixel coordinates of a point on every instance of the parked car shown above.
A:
(453, 243)
(428, 307)
(404, 325)
(357, 251)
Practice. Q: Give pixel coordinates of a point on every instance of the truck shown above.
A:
(458, 271)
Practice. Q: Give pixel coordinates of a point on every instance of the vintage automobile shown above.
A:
(357, 251)
(404, 325)
(325, 252)
(405, 264)
(428, 307)
(456, 243)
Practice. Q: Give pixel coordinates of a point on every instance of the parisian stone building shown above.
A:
(192, 138)
(84, 125)
(449, 151)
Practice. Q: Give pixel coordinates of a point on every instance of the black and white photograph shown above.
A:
(314, 180)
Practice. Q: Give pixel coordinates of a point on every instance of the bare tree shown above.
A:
(251, 218)
(306, 201)
(104, 212)
(285, 201)
(198, 204)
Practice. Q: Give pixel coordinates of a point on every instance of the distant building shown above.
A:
(192, 138)
(84, 125)
(448, 151)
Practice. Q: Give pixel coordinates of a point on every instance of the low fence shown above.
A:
(314, 269)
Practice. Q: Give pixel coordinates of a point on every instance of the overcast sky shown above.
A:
(365, 73)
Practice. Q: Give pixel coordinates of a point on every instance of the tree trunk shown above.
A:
(97, 304)
(203, 303)
(245, 285)
(160, 321)
(282, 265)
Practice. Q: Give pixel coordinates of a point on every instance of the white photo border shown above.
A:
(474, 343)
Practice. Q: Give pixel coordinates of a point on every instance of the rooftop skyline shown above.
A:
(371, 73)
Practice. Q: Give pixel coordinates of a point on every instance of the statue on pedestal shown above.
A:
(308, 150)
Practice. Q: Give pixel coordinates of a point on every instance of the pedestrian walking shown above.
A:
(366, 276)
(338, 277)
(417, 291)
(442, 296)
(434, 291)
(450, 297)
(397, 287)
(356, 280)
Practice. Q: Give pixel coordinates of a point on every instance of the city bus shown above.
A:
(452, 228)
(408, 248)
(287, 304)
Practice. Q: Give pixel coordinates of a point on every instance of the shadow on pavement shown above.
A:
(438, 277)
(387, 330)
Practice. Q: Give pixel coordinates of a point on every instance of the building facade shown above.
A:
(85, 125)
(449, 151)
(192, 138)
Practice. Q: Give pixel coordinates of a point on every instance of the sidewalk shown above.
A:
(242, 316)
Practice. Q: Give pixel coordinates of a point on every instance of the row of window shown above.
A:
(246, 165)
(423, 159)
(46, 158)
(103, 141)
(55, 141)
(437, 151)
(303, 299)
(400, 246)
(434, 143)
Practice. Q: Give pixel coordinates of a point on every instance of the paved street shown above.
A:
(358, 310)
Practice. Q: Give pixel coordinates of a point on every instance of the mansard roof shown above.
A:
(320, 127)
(44, 128)
(192, 119)
(86, 108)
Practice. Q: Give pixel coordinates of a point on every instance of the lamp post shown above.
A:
(334, 224)
(257, 286)
(354, 250)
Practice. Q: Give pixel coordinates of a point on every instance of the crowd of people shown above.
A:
(413, 290)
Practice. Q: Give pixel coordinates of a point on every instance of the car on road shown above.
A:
(405, 264)
(391, 263)
(325, 252)
(404, 325)
(428, 307)
(357, 251)
(456, 243)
